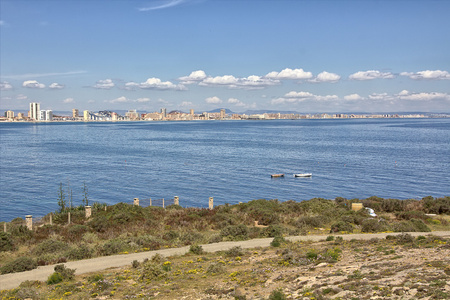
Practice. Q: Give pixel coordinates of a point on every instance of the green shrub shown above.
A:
(404, 238)
(19, 265)
(277, 295)
(309, 222)
(215, 268)
(341, 226)
(78, 252)
(6, 243)
(76, 232)
(235, 232)
(312, 254)
(54, 278)
(50, 246)
(263, 211)
(413, 214)
(151, 271)
(215, 238)
(196, 249)
(274, 230)
(330, 238)
(66, 273)
(412, 225)
(373, 225)
(95, 278)
(436, 206)
(277, 241)
(135, 264)
(234, 251)
(113, 247)
(191, 237)
(170, 235)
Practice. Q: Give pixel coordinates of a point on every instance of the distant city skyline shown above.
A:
(305, 56)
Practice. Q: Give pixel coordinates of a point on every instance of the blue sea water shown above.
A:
(228, 160)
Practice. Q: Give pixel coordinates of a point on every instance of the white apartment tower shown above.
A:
(35, 111)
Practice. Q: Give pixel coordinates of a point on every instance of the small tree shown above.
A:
(69, 194)
(85, 194)
(61, 197)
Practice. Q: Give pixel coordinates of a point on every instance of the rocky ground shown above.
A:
(402, 267)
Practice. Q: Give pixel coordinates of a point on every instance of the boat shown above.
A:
(303, 175)
(276, 175)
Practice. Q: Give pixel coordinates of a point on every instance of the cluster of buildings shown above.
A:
(36, 114)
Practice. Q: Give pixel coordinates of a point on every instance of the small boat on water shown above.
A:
(276, 175)
(303, 175)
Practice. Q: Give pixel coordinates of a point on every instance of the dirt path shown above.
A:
(9, 281)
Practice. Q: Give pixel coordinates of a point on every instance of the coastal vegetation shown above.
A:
(125, 228)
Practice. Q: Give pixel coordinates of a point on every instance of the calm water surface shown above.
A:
(230, 161)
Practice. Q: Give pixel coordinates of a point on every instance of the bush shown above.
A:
(6, 243)
(235, 232)
(113, 247)
(412, 225)
(76, 232)
(79, 252)
(196, 249)
(309, 222)
(151, 271)
(274, 230)
(66, 273)
(341, 226)
(277, 295)
(54, 278)
(235, 251)
(215, 268)
(50, 246)
(277, 241)
(436, 206)
(19, 265)
(191, 238)
(408, 215)
(373, 225)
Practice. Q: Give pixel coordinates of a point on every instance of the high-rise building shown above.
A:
(86, 115)
(46, 115)
(35, 111)
(192, 112)
(222, 113)
(164, 113)
(9, 114)
(75, 113)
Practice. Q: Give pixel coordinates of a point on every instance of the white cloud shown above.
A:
(213, 100)
(21, 97)
(294, 94)
(296, 97)
(380, 96)
(68, 100)
(165, 4)
(250, 82)
(290, 74)
(106, 84)
(33, 84)
(56, 86)
(326, 77)
(236, 102)
(186, 104)
(36, 75)
(156, 84)
(5, 86)
(353, 97)
(371, 74)
(143, 100)
(119, 100)
(194, 77)
(405, 95)
(431, 75)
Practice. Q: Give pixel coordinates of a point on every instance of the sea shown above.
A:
(231, 161)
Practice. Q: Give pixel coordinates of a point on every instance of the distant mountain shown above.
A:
(217, 110)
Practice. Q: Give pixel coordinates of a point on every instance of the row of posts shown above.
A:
(176, 201)
(88, 212)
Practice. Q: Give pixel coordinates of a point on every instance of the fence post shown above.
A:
(211, 202)
(136, 201)
(68, 218)
(176, 200)
(4, 227)
(29, 221)
(88, 211)
(51, 218)
(163, 203)
(150, 201)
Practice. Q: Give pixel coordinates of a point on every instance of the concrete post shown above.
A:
(88, 211)
(163, 203)
(211, 203)
(136, 201)
(150, 201)
(4, 227)
(68, 218)
(51, 218)
(176, 200)
(29, 221)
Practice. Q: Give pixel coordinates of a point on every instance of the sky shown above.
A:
(308, 56)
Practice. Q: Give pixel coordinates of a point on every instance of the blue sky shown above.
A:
(308, 56)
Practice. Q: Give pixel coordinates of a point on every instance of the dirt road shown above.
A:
(9, 281)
